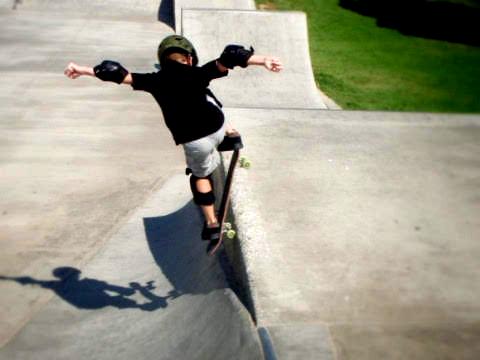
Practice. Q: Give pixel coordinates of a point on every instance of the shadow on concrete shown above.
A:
(440, 20)
(175, 244)
(166, 13)
(177, 251)
(95, 294)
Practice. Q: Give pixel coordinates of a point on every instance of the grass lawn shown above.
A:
(363, 66)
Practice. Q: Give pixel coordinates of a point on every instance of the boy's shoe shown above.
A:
(210, 234)
(230, 143)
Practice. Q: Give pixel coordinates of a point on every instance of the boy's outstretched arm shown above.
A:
(237, 55)
(106, 71)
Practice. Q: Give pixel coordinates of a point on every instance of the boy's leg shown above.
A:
(205, 186)
(204, 197)
(203, 158)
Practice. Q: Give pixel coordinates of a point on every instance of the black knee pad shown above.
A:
(202, 198)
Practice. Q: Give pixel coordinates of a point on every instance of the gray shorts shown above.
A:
(202, 156)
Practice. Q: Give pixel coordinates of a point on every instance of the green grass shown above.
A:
(363, 66)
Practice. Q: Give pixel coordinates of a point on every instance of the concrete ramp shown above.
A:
(149, 293)
(283, 34)
(101, 256)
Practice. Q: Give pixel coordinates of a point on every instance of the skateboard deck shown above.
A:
(225, 228)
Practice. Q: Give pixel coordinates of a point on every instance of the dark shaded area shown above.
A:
(180, 254)
(440, 20)
(166, 13)
(182, 260)
(95, 294)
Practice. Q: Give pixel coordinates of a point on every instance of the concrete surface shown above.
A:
(78, 158)
(121, 9)
(360, 232)
(187, 312)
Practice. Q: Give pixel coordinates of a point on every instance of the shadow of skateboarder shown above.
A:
(94, 294)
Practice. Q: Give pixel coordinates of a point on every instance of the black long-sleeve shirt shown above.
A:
(181, 91)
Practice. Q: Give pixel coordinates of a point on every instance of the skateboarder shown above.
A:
(191, 111)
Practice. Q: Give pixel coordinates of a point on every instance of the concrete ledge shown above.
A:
(293, 342)
(208, 4)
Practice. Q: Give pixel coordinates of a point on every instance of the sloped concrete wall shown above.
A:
(282, 34)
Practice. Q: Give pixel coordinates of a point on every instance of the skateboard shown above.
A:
(226, 228)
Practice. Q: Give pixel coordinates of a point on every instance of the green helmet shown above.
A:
(174, 43)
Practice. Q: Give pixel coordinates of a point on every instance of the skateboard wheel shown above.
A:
(245, 163)
(231, 234)
(227, 226)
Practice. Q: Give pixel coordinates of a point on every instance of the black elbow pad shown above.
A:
(235, 55)
(110, 71)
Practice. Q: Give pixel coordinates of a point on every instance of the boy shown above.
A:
(191, 111)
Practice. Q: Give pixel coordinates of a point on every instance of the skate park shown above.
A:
(357, 230)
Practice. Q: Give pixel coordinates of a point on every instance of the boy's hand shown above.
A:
(73, 70)
(273, 64)
(269, 62)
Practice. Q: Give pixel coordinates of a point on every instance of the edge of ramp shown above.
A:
(179, 5)
(238, 251)
(284, 34)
